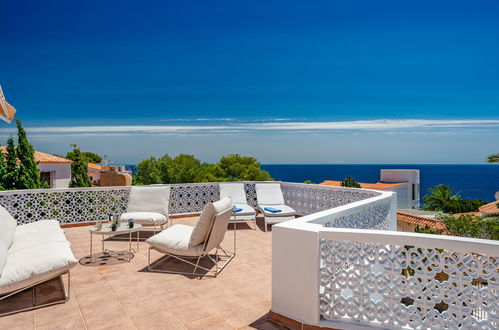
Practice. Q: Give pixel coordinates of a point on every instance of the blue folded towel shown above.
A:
(237, 209)
(271, 209)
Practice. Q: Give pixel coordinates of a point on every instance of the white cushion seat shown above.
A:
(37, 233)
(175, 240)
(246, 209)
(39, 251)
(34, 263)
(285, 210)
(145, 218)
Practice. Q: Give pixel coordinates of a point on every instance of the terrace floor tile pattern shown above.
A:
(128, 296)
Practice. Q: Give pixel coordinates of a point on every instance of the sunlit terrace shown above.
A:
(339, 263)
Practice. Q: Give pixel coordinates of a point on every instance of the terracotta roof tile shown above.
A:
(95, 166)
(491, 208)
(377, 185)
(42, 157)
(420, 221)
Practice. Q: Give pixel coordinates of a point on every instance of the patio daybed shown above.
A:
(31, 254)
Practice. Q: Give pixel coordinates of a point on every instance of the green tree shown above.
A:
(3, 168)
(29, 174)
(308, 182)
(183, 169)
(349, 182)
(493, 158)
(87, 156)
(242, 168)
(79, 170)
(9, 180)
(152, 171)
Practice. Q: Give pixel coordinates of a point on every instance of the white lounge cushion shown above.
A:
(144, 218)
(37, 233)
(235, 191)
(149, 199)
(269, 194)
(35, 263)
(285, 210)
(37, 226)
(7, 227)
(3, 257)
(246, 209)
(175, 240)
(202, 227)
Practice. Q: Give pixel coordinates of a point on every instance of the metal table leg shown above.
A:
(91, 247)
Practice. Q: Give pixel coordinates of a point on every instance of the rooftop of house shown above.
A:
(376, 186)
(128, 296)
(421, 218)
(95, 166)
(44, 158)
(489, 209)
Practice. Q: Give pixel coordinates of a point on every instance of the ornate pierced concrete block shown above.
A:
(308, 199)
(405, 286)
(374, 217)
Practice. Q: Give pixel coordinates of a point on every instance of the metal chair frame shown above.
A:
(227, 257)
(32, 287)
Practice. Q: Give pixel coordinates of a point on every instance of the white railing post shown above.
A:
(295, 272)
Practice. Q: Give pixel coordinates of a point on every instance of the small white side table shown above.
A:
(121, 229)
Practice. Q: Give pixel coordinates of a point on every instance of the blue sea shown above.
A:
(472, 181)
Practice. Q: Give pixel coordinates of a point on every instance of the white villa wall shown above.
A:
(404, 192)
(94, 174)
(61, 173)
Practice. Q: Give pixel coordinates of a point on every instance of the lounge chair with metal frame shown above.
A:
(191, 244)
(149, 206)
(271, 203)
(241, 212)
(31, 254)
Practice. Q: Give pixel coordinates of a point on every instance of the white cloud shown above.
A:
(388, 125)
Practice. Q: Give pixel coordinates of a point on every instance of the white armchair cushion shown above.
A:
(202, 227)
(235, 191)
(144, 218)
(149, 199)
(7, 227)
(269, 194)
(175, 240)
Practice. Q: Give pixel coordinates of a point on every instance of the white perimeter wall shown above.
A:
(61, 175)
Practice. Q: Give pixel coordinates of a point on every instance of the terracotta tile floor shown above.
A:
(128, 296)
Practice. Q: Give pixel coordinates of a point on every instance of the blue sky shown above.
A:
(284, 81)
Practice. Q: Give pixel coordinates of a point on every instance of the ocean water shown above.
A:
(472, 181)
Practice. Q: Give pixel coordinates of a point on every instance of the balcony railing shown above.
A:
(331, 269)
(90, 204)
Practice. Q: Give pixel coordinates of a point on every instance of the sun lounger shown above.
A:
(271, 203)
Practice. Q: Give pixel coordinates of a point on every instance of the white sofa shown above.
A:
(31, 254)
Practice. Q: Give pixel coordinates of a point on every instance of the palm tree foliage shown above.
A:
(442, 198)
(494, 158)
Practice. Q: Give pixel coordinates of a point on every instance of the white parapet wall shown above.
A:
(296, 252)
(333, 269)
